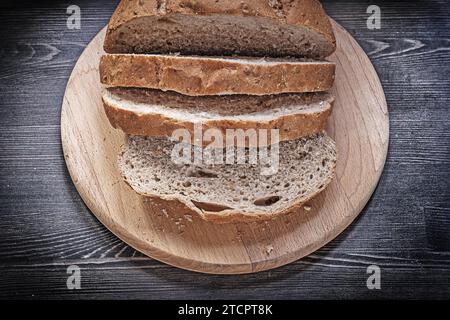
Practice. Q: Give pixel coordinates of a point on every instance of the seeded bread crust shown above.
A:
(275, 14)
(138, 121)
(197, 76)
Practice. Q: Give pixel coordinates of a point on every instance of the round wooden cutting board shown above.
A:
(359, 124)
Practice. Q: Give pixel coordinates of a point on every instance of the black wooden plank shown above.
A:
(46, 227)
(313, 278)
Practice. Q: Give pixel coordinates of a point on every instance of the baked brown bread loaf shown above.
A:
(273, 28)
(235, 64)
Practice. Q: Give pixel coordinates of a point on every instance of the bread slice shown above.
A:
(231, 192)
(147, 112)
(273, 28)
(197, 76)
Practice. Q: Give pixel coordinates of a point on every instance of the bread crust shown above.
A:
(197, 76)
(302, 13)
(290, 126)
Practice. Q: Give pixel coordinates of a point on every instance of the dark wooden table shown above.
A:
(45, 227)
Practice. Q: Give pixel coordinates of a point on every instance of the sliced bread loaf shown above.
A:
(274, 28)
(196, 76)
(147, 112)
(231, 192)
